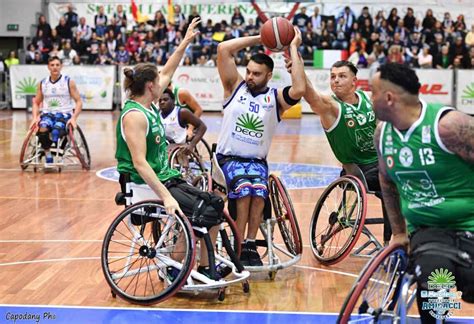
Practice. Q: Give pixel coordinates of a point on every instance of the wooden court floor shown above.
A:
(52, 225)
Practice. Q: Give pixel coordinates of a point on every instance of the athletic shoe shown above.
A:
(207, 272)
(49, 159)
(254, 257)
(244, 255)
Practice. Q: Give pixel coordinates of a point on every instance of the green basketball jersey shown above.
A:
(176, 99)
(352, 135)
(156, 148)
(436, 186)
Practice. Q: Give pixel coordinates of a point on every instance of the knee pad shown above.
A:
(43, 138)
(46, 121)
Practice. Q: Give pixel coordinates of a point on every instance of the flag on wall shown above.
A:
(170, 12)
(324, 59)
(137, 15)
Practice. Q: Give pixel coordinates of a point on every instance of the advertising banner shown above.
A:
(95, 84)
(465, 91)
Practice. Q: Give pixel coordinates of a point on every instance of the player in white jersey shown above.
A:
(175, 120)
(252, 111)
(56, 94)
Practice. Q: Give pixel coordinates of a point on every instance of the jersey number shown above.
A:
(254, 107)
(426, 156)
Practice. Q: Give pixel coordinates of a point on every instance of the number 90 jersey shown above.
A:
(249, 123)
(436, 186)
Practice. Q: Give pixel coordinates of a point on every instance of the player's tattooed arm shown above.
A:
(456, 131)
(391, 198)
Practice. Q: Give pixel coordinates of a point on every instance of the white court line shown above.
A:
(51, 241)
(48, 260)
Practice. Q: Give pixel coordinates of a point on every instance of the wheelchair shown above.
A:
(278, 249)
(148, 255)
(339, 218)
(70, 150)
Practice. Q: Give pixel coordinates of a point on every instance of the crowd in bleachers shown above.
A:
(370, 41)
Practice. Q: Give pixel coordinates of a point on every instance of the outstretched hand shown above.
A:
(297, 40)
(191, 32)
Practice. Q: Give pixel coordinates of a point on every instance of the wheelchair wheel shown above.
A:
(203, 150)
(228, 238)
(338, 219)
(190, 166)
(31, 149)
(147, 255)
(203, 182)
(285, 216)
(376, 290)
(80, 147)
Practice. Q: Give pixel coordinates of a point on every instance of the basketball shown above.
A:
(277, 33)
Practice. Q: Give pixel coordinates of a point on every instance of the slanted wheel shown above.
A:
(31, 149)
(79, 146)
(228, 234)
(203, 150)
(376, 290)
(189, 165)
(285, 216)
(141, 265)
(338, 219)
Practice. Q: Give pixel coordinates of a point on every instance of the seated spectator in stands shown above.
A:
(79, 45)
(401, 31)
(84, 30)
(133, 42)
(237, 18)
(460, 24)
(367, 28)
(357, 42)
(186, 61)
(378, 54)
(443, 60)
(63, 30)
(411, 56)
(195, 14)
(112, 26)
(447, 21)
(179, 19)
(111, 42)
(415, 41)
(71, 17)
(38, 58)
(425, 59)
(100, 22)
(471, 58)
(349, 18)
(55, 38)
(54, 51)
(103, 56)
(12, 59)
(392, 20)
(43, 26)
(316, 22)
(438, 44)
(30, 54)
(409, 20)
(365, 14)
(429, 20)
(458, 63)
(341, 41)
(122, 57)
(459, 50)
(43, 44)
(383, 31)
(327, 40)
(395, 54)
(67, 54)
(158, 52)
(301, 19)
(396, 41)
(359, 58)
(120, 19)
(374, 39)
(93, 48)
(378, 19)
(418, 27)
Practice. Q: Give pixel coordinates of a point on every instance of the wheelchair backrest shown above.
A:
(354, 170)
(216, 173)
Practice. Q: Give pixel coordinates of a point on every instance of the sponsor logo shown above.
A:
(426, 134)
(158, 139)
(433, 89)
(184, 78)
(467, 97)
(242, 99)
(350, 123)
(406, 157)
(27, 86)
(53, 103)
(249, 124)
(390, 161)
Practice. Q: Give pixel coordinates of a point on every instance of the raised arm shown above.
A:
(77, 99)
(200, 128)
(456, 131)
(230, 77)
(391, 198)
(298, 87)
(186, 98)
(170, 67)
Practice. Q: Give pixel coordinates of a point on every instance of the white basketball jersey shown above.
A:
(249, 123)
(173, 129)
(56, 96)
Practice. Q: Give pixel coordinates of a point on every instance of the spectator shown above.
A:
(429, 20)
(459, 51)
(93, 48)
(71, 17)
(443, 60)
(133, 42)
(349, 18)
(79, 45)
(42, 44)
(84, 30)
(411, 56)
(120, 18)
(401, 31)
(418, 27)
(12, 59)
(100, 22)
(67, 54)
(43, 26)
(363, 16)
(460, 23)
(341, 41)
(179, 19)
(469, 40)
(395, 54)
(374, 39)
(383, 32)
(55, 38)
(187, 61)
(409, 19)
(316, 21)
(357, 42)
(447, 21)
(414, 44)
(122, 56)
(378, 20)
(367, 28)
(392, 20)
(103, 56)
(30, 54)
(76, 60)
(63, 30)
(111, 42)
(359, 58)
(237, 18)
(54, 51)
(327, 39)
(425, 59)
(38, 58)
(301, 19)
(251, 28)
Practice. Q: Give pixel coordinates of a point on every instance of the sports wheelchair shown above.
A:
(148, 255)
(339, 218)
(278, 249)
(70, 150)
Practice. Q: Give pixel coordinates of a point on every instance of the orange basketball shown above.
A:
(277, 33)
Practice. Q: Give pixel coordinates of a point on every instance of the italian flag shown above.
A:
(324, 59)
(137, 15)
